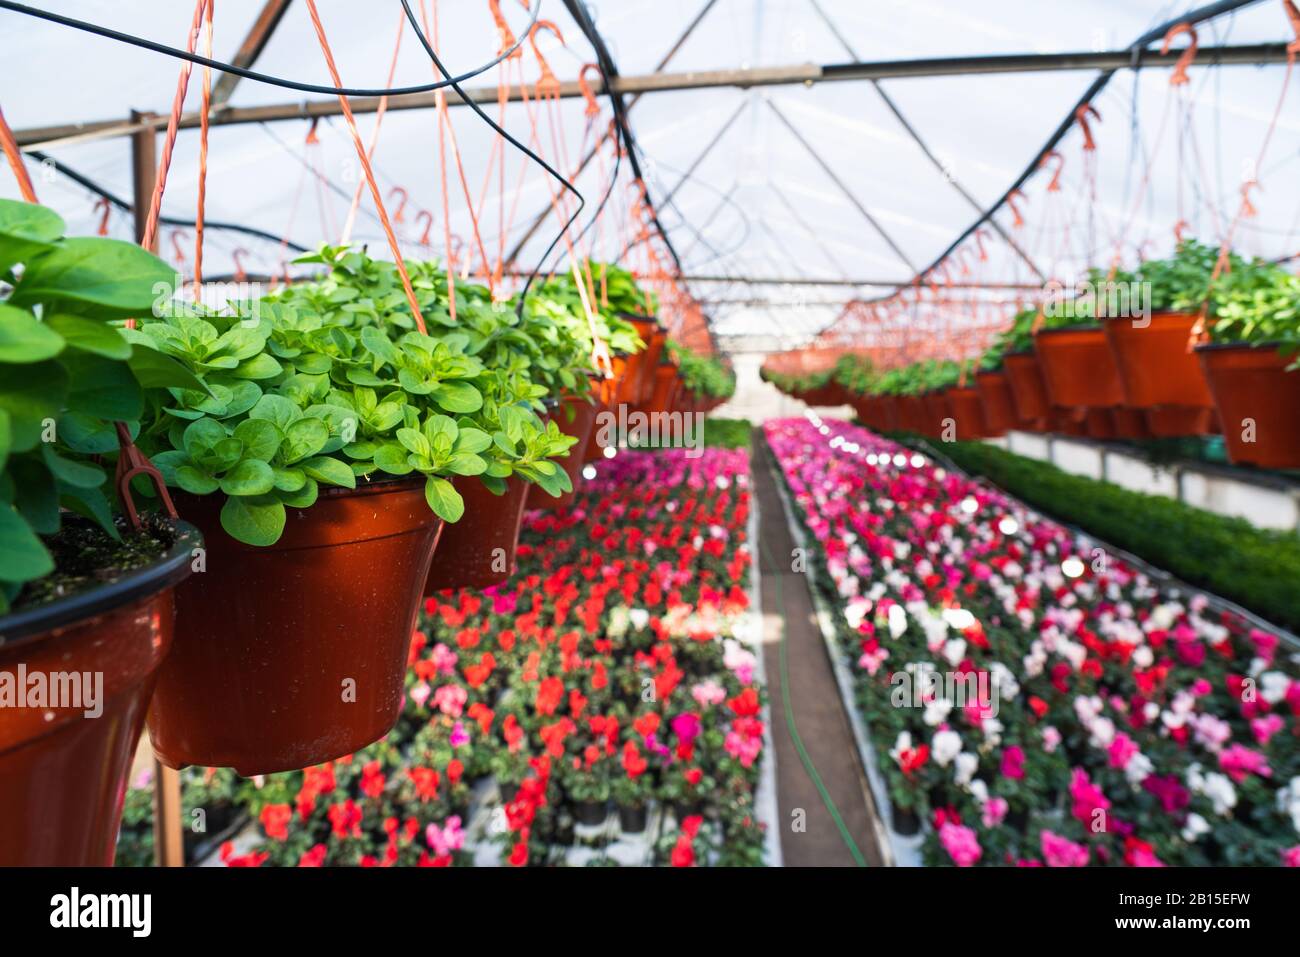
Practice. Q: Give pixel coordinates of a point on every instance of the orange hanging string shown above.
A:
(365, 166)
(104, 208)
(203, 148)
(15, 157)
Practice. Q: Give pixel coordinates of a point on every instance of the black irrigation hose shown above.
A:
(469, 101)
(248, 74)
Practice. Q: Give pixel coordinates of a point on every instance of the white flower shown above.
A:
(937, 711)
(1137, 770)
(1195, 827)
(902, 743)
(1217, 787)
(897, 621)
(944, 747)
(964, 767)
(954, 651)
(639, 618)
(1273, 685)
(1143, 657)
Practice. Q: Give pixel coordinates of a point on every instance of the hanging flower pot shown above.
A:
(1099, 424)
(641, 365)
(1028, 392)
(63, 772)
(912, 415)
(654, 352)
(575, 417)
(479, 550)
(664, 383)
(1068, 421)
(1130, 423)
(886, 413)
(1171, 421)
(936, 410)
(294, 653)
(966, 407)
(1258, 402)
(1158, 372)
(1078, 367)
(997, 403)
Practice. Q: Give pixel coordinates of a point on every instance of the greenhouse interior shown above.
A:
(673, 434)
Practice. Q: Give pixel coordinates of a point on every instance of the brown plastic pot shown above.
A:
(967, 410)
(1257, 399)
(653, 353)
(642, 364)
(912, 415)
(1027, 390)
(886, 413)
(63, 775)
(575, 417)
(479, 550)
(295, 653)
(1154, 363)
(1171, 421)
(1078, 368)
(1099, 424)
(1130, 423)
(936, 410)
(665, 381)
(1068, 421)
(998, 406)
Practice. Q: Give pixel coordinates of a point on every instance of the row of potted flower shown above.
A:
(605, 676)
(316, 445)
(1125, 361)
(1034, 700)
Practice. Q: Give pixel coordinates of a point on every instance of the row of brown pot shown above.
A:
(1121, 381)
(269, 658)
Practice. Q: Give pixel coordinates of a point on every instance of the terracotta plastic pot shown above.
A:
(1258, 402)
(1171, 421)
(479, 550)
(295, 653)
(998, 406)
(886, 413)
(967, 410)
(575, 417)
(665, 382)
(936, 410)
(63, 774)
(1078, 368)
(1099, 424)
(1028, 393)
(1067, 421)
(912, 415)
(1130, 423)
(1155, 366)
(647, 359)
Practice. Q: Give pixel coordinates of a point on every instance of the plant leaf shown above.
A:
(24, 338)
(253, 520)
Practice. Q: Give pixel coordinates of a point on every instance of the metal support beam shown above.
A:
(258, 36)
(806, 74)
(843, 188)
(813, 281)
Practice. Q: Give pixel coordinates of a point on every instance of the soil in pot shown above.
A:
(1028, 393)
(1155, 366)
(63, 771)
(1258, 403)
(632, 819)
(575, 417)
(1078, 367)
(479, 550)
(295, 653)
(967, 410)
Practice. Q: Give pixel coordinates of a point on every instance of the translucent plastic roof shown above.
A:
(755, 202)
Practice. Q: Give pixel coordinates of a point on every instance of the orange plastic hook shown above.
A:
(1189, 54)
(1055, 185)
(238, 256)
(1081, 116)
(399, 213)
(178, 253)
(593, 108)
(103, 207)
(312, 138)
(1179, 228)
(546, 82)
(980, 236)
(426, 217)
(1247, 207)
(503, 28)
(1015, 210)
(1293, 15)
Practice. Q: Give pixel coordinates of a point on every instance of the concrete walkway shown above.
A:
(814, 703)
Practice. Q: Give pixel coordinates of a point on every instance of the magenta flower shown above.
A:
(1239, 761)
(1013, 763)
(961, 844)
(1062, 852)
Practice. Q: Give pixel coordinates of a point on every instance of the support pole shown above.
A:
(168, 840)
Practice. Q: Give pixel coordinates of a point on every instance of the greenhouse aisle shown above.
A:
(820, 723)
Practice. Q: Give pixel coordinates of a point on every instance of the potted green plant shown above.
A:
(631, 795)
(319, 461)
(1250, 364)
(1158, 373)
(86, 609)
(1024, 376)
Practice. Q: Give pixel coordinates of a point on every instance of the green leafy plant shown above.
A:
(328, 382)
(67, 373)
(703, 374)
(856, 373)
(1257, 302)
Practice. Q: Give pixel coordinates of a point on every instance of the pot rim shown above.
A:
(1155, 313)
(1020, 354)
(20, 628)
(1073, 327)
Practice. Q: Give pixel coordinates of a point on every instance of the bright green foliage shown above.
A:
(703, 374)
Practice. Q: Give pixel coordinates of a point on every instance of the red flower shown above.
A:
(633, 763)
(647, 724)
(745, 704)
(313, 858)
(550, 692)
(345, 819)
(426, 782)
(455, 770)
(693, 776)
(372, 779)
(275, 820)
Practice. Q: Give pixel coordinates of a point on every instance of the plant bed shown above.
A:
(1122, 731)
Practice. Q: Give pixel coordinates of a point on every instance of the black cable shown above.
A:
(247, 74)
(455, 85)
(123, 205)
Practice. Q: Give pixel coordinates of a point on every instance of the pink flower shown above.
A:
(1265, 644)
(961, 844)
(1088, 798)
(444, 659)
(743, 748)
(1239, 761)
(449, 838)
(1291, 857)
(1062, 852)
(1051, 739)
(1264, 728)
(1122, 750)
(709, 693)
(459, 735)
(450, 700)
(995, 809)
(420, 693)
(1013, 763)
(686, 726)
